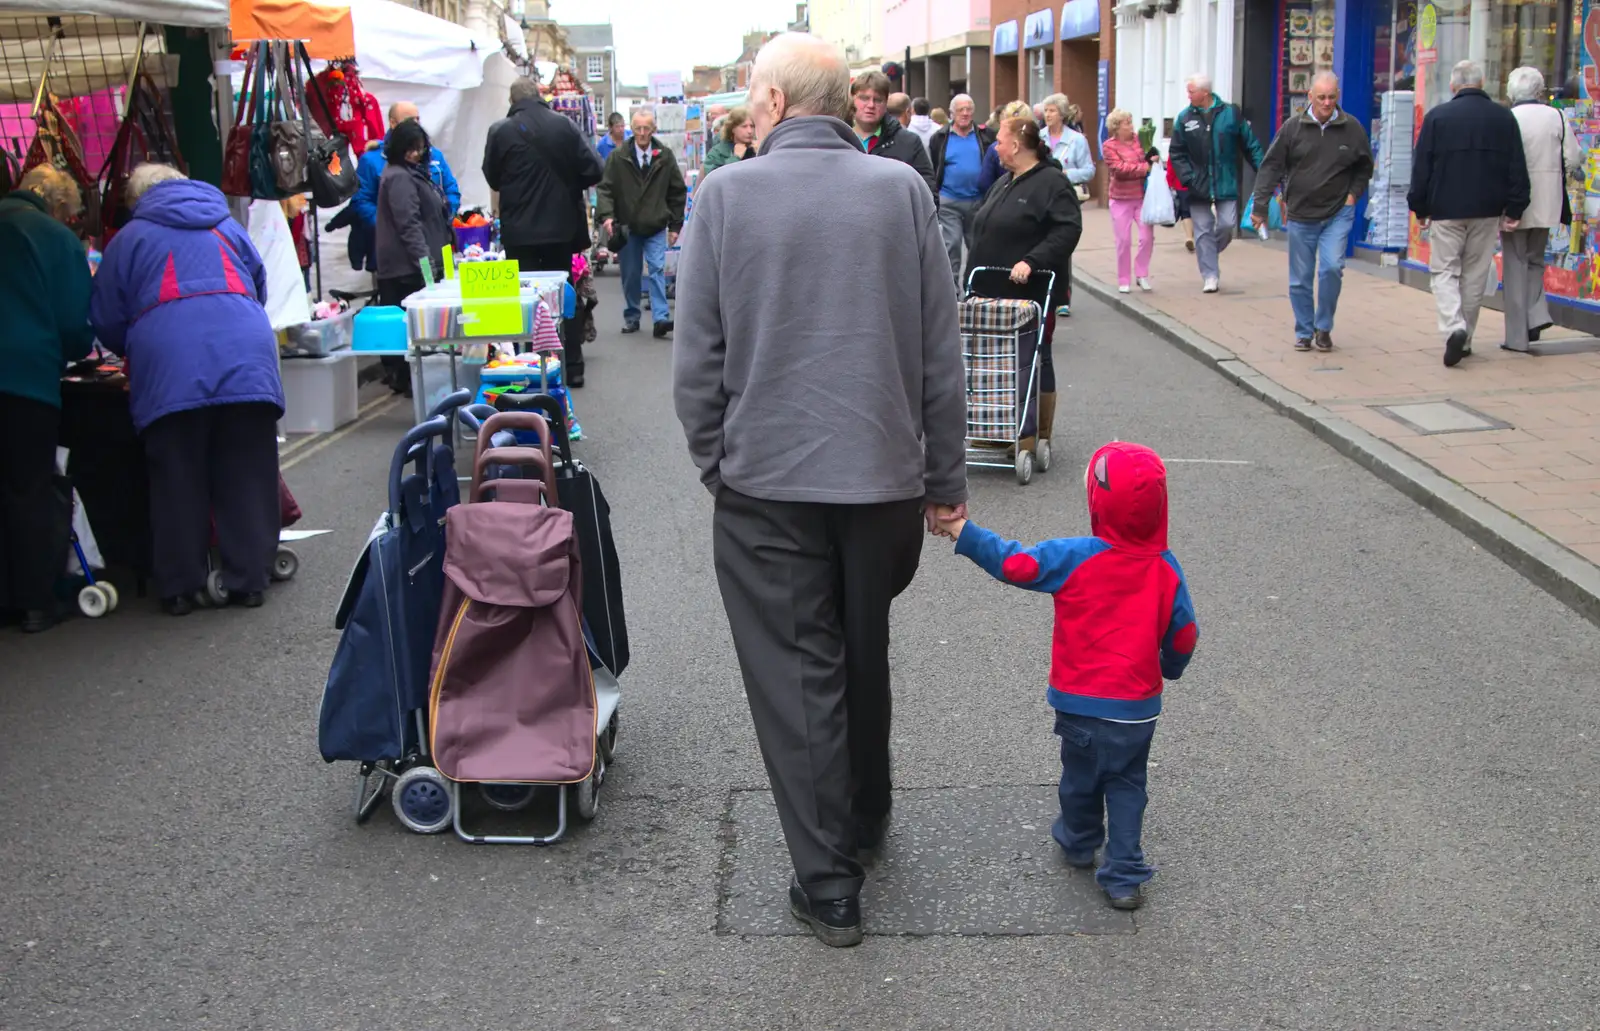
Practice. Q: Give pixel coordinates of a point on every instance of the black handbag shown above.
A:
(1566, 192)
(330, 170)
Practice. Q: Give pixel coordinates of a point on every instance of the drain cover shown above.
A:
(1441, 417)
(958, 861)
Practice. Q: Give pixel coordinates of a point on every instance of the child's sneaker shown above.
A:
(1126, 898)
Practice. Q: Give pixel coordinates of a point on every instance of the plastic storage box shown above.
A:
(319, 393)
(321, 337)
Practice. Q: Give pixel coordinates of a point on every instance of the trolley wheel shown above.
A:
(372, 783)
(285, 564)
(110, 590)
(1024, 467)
(586, 795)
(608, 740)
(507, 797)
(422, 800)
(216, 594)
(1041, 455)
(93, 601)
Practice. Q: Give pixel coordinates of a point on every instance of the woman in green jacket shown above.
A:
(44, 292)
(737, 143)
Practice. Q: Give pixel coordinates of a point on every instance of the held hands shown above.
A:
(945, 520)
(605, 226)
(1020, 272)
(1510, 224)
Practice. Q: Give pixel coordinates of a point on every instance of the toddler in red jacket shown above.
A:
(1124, 625)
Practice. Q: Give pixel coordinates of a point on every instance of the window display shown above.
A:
(1307, 49)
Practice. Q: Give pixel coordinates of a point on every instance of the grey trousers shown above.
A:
(955, 225)
(1522, 269)
(1213, 231)
(1460, 255)
(807, 589)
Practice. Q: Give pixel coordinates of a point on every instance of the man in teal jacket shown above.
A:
(44, 291)
(1208, 138)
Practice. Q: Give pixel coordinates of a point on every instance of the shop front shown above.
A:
(1039, 46)
(1006, 51)
(1561, 38)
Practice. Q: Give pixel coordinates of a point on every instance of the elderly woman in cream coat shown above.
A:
(1553, 157)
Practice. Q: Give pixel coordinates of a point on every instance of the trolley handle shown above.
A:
(502, 420)
(451, 402)
(473, 416)
(523, 456)
(438, 426)
(1010, 289)
(554, 416)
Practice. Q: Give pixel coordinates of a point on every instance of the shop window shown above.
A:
(1307, 50)
(1041, 74)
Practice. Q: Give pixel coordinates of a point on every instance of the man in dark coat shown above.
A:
(643, 191)
(1469, 179)
(882, 135)
(540, 164)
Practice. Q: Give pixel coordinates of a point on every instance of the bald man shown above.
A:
(900, 108)
(811, 553)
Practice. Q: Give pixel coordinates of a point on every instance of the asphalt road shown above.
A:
(1373, 798)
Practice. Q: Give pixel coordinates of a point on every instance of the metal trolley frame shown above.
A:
(995, 375)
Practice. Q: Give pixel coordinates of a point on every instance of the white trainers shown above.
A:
(1210, 286)
(1145, 284)
(1122, 289)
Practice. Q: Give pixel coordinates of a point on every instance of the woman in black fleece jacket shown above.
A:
(1030, 222)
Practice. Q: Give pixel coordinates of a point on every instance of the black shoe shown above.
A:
(179, 606)
(37, 621)
(247, 599)
(1533, 334)
(662, 329)
(1323, 341)
(575, 377)
(837, 923)
(1127, 902)
(630, 327)
(1456, 349)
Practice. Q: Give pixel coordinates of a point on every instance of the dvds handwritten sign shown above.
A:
(491, 298)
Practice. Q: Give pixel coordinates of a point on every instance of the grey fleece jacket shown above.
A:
(817, 354)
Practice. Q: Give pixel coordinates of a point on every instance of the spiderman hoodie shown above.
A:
(1124, 622)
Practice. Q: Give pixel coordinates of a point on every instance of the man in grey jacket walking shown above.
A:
(825, 438)
(1325, 159)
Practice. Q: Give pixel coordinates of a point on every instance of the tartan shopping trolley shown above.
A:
(1002, 334)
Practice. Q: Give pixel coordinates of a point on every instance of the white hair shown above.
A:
(147, 175)
(809, 71)
(1199, 80)
(1466, 75)
(645, 110)
(1325, 77)
(1524, 84)
(960, 98)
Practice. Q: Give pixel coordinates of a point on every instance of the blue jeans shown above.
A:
(651, 252)
(1103, 767)
(1316, 252)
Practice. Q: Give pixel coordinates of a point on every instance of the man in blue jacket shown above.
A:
(370, 169)
(1208, 138)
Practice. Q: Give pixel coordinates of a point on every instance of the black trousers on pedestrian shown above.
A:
(807, 588)
(218, 462)
(390, 293)
(555, 258)
(29, 560)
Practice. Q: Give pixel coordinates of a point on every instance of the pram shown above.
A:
(1002, 334)
(373, 706)
(518, 699)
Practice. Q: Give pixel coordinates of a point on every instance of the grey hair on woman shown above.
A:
(1058, 101)
(57, 189)
(1524, 84)
(147, 175)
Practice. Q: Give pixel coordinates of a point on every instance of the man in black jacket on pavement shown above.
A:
(540, 164)
(1469, 180)
(643, 191)
(884, 136)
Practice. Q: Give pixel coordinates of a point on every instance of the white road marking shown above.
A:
(368, 413)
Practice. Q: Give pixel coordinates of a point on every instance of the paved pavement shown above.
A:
(1373, 793)
(1543, 467)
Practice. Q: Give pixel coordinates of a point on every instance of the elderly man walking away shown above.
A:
(1553, 157)
(1208, 139)
(539, 164)
(643, 190)
(819, 504)
(882, 135)
(1325, 160)
(1469, 180)
(957, 152)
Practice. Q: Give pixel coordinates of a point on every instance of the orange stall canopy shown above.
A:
(327, 28)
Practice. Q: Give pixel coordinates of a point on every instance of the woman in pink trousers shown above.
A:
(1128, 165)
